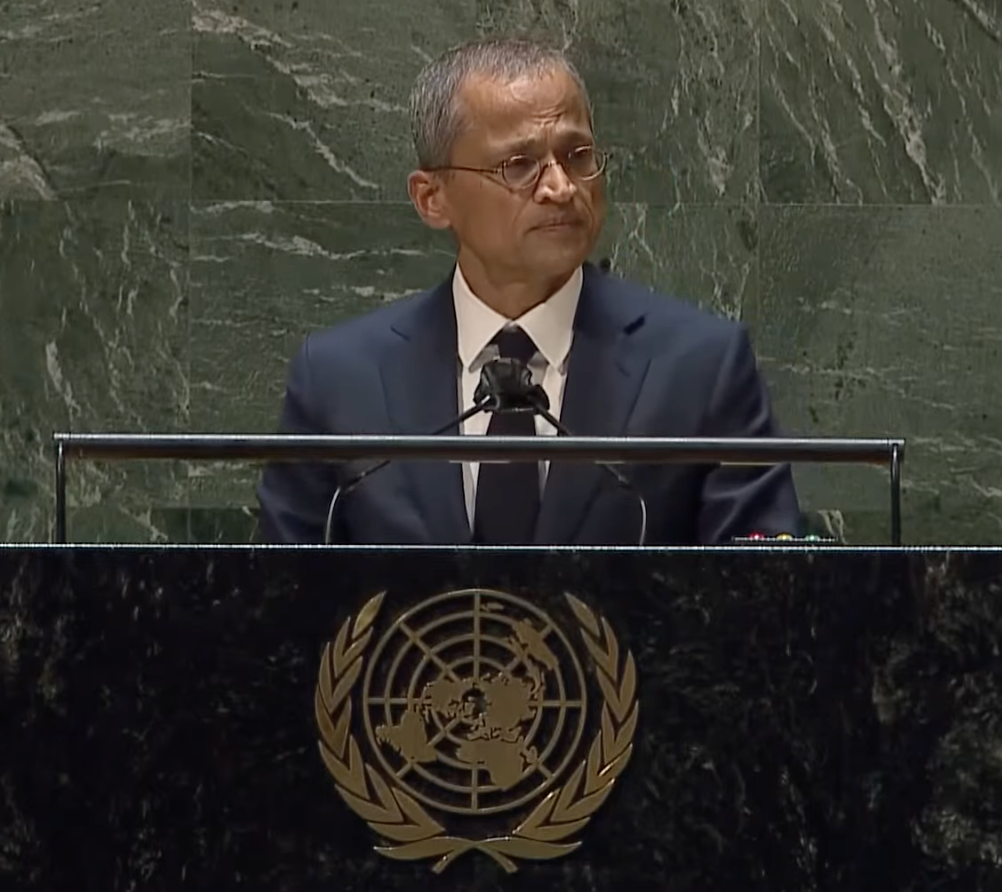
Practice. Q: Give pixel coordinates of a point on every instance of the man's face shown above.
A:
(541, 232)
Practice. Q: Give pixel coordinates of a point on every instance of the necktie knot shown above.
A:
(514, 343)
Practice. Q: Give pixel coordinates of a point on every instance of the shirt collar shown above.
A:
(549, 324)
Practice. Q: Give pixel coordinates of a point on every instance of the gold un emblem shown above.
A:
(473, 706)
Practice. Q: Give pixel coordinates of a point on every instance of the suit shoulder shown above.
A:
(366, 335)
(664, 313)
(363, 332)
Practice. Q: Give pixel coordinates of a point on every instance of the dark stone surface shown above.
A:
(809, 720)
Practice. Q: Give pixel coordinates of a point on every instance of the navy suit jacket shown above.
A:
(640, 364)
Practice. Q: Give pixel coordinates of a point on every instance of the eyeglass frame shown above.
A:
(601, 156)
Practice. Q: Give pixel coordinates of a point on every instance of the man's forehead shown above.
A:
(540, 98)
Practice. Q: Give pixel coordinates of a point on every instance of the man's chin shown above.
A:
(560, 245)
(559, 262)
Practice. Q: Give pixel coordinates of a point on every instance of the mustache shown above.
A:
(560, 221)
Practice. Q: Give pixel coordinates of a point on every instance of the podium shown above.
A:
(265, 718)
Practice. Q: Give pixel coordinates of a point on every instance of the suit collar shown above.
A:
(601, 314)
(428, 317)
(605, 373)
(420, 386)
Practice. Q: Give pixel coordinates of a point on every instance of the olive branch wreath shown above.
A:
(395, 815)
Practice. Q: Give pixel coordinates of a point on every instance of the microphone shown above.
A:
(480, 404)
(524, 391)
(505, 386)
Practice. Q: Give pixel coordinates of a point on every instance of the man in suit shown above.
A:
(508, 163)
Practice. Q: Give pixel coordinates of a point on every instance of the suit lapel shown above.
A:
(604, 376)
(420, 383)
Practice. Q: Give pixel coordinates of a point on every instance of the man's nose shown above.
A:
(554, 182)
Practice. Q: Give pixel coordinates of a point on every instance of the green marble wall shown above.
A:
(187, 188)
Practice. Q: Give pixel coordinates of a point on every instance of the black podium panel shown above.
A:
(264, 719)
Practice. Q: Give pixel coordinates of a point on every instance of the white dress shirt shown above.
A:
(549, 324)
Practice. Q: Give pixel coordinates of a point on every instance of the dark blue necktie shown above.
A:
(507, 503)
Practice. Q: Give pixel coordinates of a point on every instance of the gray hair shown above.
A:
(436, 113)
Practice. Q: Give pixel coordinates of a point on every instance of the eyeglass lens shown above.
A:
(523, 170)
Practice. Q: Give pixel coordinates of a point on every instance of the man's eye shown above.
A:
(520, 166)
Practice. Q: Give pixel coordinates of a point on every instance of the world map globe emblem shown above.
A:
(474, 702)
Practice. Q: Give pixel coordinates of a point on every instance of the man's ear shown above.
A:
(428, 198)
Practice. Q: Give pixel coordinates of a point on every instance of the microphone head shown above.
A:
(537, 396)
(507, 386)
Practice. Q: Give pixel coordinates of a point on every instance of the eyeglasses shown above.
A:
(522, 172)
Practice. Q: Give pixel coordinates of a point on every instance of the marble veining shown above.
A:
(889, 340)
(826, 172)
(881, 102)
(94, 99)
(94, 303)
